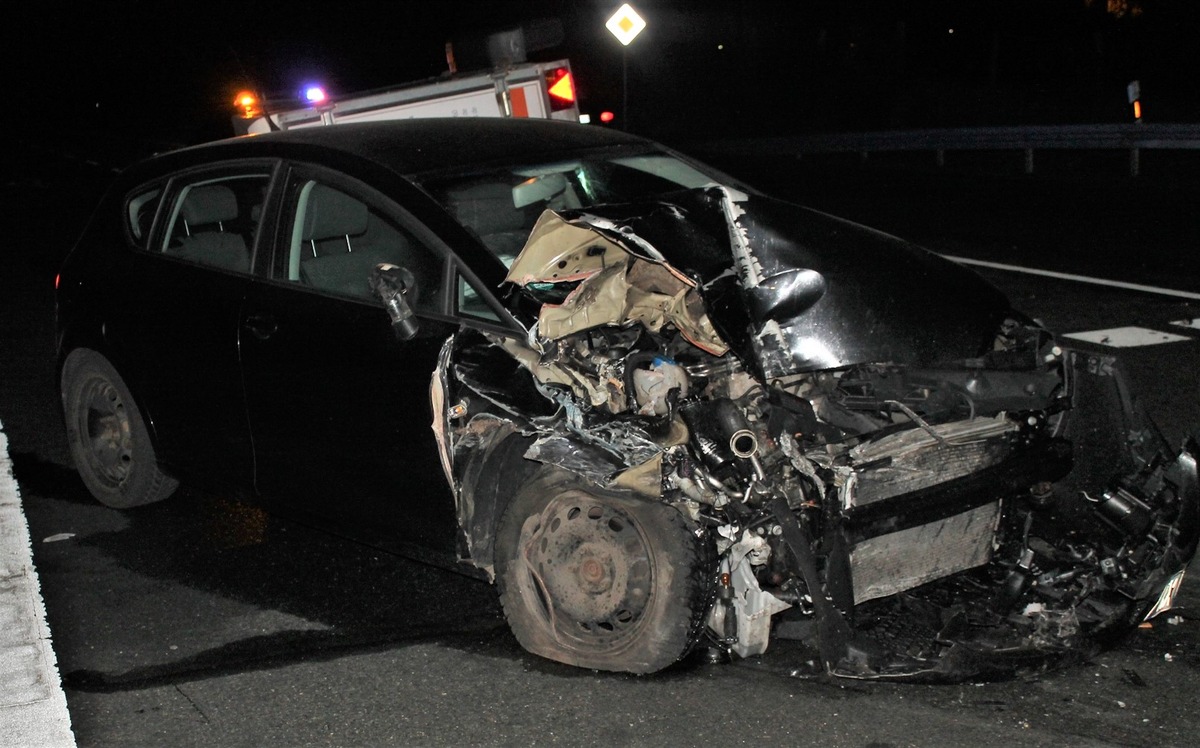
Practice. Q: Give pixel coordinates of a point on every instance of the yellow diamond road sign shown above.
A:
(625, 24)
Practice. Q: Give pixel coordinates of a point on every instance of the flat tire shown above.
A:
(600, 579)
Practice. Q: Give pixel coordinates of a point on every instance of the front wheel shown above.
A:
(109, 441)
(600, 579)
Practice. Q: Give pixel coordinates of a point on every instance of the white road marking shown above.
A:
(33, 708)
(1126, 337)
(1077, 278)
(1193, 324)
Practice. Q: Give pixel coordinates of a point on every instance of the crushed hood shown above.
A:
(789, 289)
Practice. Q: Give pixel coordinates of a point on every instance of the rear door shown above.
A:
(174, 318)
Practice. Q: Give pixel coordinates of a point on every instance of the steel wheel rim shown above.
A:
(589, 571)
(105, 432)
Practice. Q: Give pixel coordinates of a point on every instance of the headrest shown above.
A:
(209, 203)
(331, 213)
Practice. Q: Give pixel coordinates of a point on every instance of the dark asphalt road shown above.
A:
(206, 621)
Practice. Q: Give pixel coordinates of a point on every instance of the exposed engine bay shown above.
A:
(881, 460)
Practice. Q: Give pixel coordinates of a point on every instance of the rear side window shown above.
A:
(215, 221)
(139, 214)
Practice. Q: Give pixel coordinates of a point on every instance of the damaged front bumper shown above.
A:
(1071, 566)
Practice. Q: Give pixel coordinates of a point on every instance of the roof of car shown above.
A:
(419, 145)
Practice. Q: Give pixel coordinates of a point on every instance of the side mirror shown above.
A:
(393, 285)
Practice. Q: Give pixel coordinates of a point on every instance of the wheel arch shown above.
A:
(489, 481)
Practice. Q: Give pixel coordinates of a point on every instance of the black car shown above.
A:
(657, 408)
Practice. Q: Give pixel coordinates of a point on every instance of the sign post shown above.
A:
(625, 24)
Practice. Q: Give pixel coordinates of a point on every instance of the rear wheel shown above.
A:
(600, 579)
(109, 441)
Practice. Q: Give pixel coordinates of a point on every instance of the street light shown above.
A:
(625, 24)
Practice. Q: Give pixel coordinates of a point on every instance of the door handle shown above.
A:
(261, 325)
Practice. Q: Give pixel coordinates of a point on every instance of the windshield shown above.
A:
(501, 205)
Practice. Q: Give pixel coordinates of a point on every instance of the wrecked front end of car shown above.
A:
(734, 420)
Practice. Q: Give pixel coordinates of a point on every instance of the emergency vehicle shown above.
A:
(544, 90)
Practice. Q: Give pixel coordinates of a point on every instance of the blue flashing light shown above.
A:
(314, 94)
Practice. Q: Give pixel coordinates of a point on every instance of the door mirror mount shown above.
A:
(393, 285)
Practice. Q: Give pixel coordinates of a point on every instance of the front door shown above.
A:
(338, 406)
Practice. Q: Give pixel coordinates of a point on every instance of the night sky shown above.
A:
(167, 72)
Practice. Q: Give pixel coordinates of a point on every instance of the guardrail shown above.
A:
(1131, 137)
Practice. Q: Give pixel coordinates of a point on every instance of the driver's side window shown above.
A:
(337, 238)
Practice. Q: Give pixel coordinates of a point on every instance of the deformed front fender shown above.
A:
(1129, 475)
(489, 476)
(1183, 475)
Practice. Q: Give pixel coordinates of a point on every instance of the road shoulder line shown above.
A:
(1076, 278)
(33, 707)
